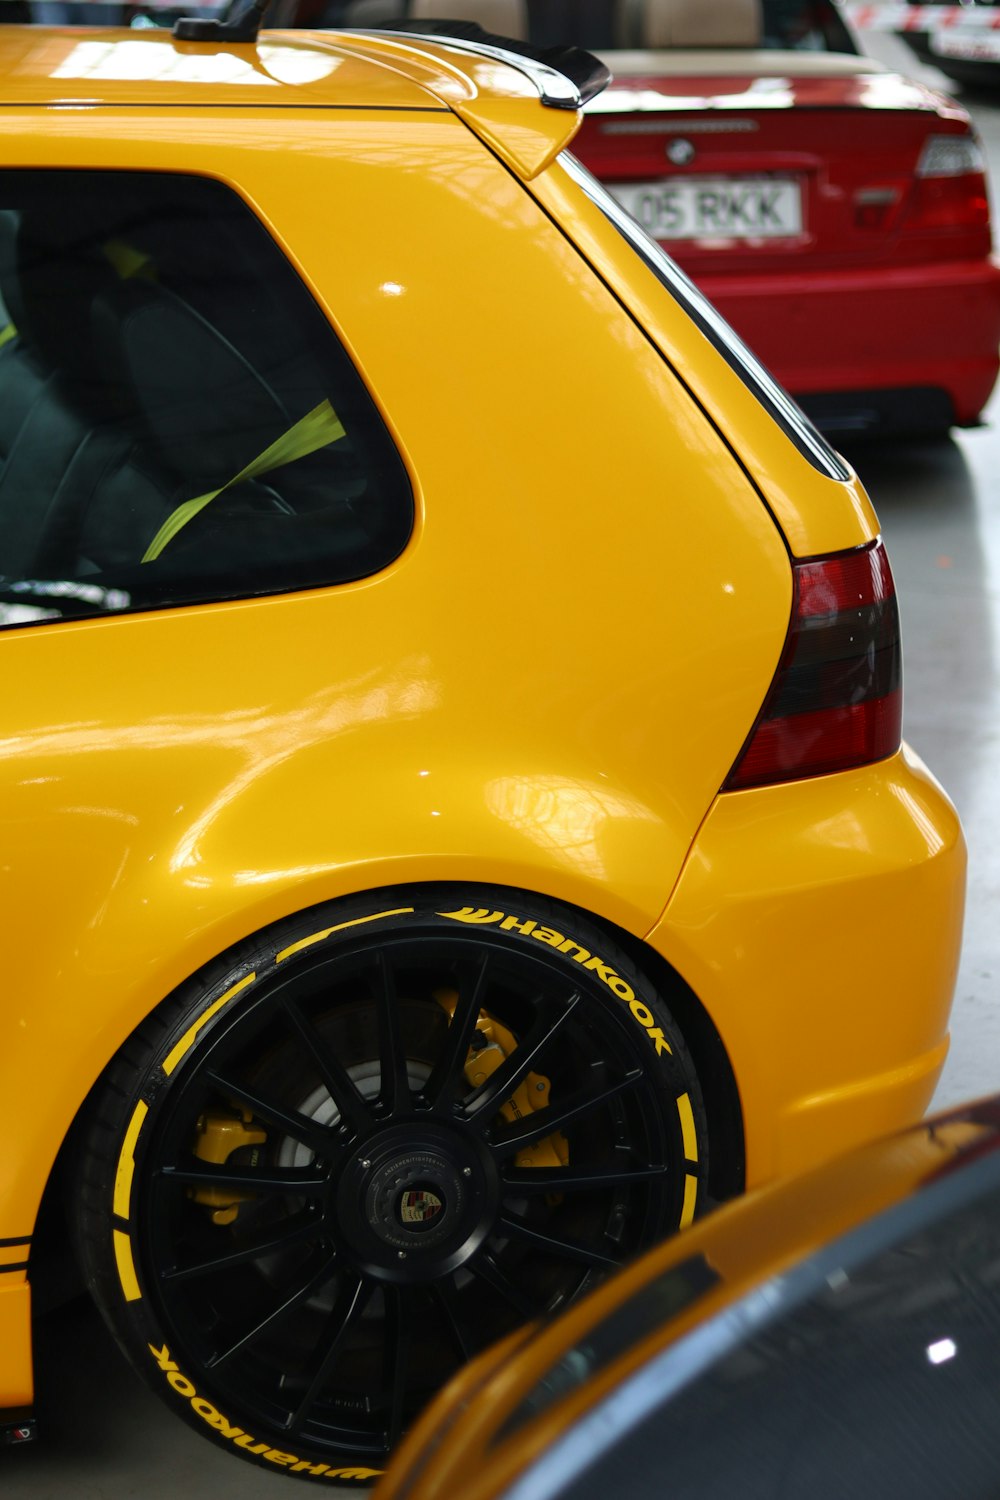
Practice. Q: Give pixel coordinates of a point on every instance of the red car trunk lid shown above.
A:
(779, 160)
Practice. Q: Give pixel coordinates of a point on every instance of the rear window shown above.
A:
(773, 397)
(179, 423)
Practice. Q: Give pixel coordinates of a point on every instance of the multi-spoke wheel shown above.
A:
(371, 1142)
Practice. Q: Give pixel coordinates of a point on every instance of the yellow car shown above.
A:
(454, 813)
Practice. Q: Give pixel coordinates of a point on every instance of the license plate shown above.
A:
(971, 48)
(706, 208)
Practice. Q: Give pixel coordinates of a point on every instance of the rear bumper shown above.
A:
(819, 923)
(926, 328)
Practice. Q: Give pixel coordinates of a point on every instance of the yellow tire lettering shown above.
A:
(246, 1442)
(235, 1435)
(549, 935)
(659, 1041)
(688, 1132)
(690, 1199)
(317, 937)
(222, 1426)
(479, 915)
(482, 916)
(126, 1161)
(187, 1040)
(126, 1266)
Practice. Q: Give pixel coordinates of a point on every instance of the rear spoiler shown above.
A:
(566, 77)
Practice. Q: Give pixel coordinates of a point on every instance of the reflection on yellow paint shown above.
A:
(116, 61)
(257, 740)
(297, 65)
(844, 830)
(566, 818)
(502, 79)
(925, 824)
(277, 738)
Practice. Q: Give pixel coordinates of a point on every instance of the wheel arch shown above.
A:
(727, 1155)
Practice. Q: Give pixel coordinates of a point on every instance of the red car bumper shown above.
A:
(860, 346)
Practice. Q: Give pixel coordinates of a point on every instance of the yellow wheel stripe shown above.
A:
(187, 1039)
(126, 1267)
(690, 1198)
(126, 1161)
(688, 1131)
(317, 937)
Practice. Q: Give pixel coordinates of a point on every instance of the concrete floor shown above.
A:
(106, 1436)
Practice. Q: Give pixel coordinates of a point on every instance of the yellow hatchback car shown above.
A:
(454, 813)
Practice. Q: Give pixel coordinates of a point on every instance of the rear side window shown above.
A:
(178, 421)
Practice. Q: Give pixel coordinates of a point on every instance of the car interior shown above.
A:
(155, 346)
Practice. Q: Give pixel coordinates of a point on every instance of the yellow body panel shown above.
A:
(816, 513)
(16, 1376)
(520, 698)
(81, 68)
(800, 903)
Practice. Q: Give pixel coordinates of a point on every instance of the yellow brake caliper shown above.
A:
(218, 1136)
(494, 1043)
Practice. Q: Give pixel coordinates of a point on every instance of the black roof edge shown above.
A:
(585, 72)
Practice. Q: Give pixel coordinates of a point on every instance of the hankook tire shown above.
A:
(366, 1143)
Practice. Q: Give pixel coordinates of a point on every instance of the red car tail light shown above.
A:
(836, 700)
(950, 185)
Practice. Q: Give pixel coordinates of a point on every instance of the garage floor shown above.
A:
(105, 1436)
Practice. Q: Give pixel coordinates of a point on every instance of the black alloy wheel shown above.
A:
(376, 1139)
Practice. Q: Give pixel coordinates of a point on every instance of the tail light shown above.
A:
(950, 156)
(836, 700)
(950, 186)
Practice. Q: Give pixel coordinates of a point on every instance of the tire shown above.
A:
(295, 1254)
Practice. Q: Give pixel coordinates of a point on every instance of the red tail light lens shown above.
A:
(949, 203)
(836, 700)
(949, 190)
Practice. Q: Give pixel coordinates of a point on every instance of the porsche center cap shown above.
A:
(419, 1207)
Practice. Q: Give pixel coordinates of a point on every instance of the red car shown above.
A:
(834, 212)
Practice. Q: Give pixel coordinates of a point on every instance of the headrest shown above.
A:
(702, 23)
(594, 24)
(60, 270)
(501, 17)
(207, 411)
